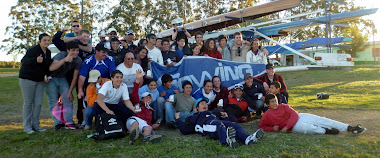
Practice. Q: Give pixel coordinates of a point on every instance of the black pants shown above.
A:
(120, 110)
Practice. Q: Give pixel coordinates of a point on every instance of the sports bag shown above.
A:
(107, 127)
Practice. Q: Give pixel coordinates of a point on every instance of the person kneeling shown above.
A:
(205, 123)
(141, 122)
(281, 117)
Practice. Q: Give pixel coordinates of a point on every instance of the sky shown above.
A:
(6, 21)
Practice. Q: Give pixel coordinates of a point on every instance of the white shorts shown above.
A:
(142, 123)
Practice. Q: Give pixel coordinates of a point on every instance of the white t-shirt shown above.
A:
(112, 95)
(129, 74)
(156, 55)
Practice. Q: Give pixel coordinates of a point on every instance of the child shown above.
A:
(283, 117)
(151, 87)
(166, 90)
(205, 123)
(274, 89)
(96, 82)
(236, 106)
(141, 122)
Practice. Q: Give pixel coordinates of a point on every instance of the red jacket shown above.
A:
(283, 116)
(239, 109)
(276, 77)
(145, 113)
(214, 54)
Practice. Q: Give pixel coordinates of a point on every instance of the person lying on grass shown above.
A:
(281, 117)
(206, 123)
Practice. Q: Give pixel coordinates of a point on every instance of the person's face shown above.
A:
(45, 41)
(216, 82)
(181, 43)
(117, 79)
(237, 39)
(273, 89)
(99, 80)
(142, 54)
(145, 43)
(76, 27)
(147, 99)
(158, 43)
(168, 84)
(152, 86)
(102, 38)
(129, 37)
(223, 42)
(211, 44)
(270, 71)
(112, 35)
(238, 93)
(249, 81)
(175, 26)
(202, 106)
(199, 39)
(129, 58)
(152, 40)
(273, 104)
(187, 89)
(166, 46)
(208, 87)
(196, 51)
(101, 54)
(115, 45)
(73, 52)
(85, 38)
(255, 45)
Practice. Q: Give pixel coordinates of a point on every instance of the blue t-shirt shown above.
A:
(169, 91)
(71, 34)
(180, 52)
(105, 66)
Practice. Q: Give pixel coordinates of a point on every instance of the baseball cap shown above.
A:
(247, 75)
(129, 32)
(93, 75)
(111, 30)
(269, 65)
(102, 33)
(101, 46)
(199, 100)
(145, 94)
(237, 86)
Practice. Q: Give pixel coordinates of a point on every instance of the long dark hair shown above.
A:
(207, 45)
(144, 61)
(212, 80)
(141, 42)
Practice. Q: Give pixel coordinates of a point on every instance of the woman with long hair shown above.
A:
(220, 91)
(141, 58)
(256, 54)
(196, 50)
(211, 49)
(205, 92)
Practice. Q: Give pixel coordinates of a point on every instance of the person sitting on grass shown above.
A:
(236, 106)
(205, 91)
(205, 123)
(183, 103)
(141, 123)
(274, 89)
(151, 87)
(166, 90)
(281, 117)
(96, 82)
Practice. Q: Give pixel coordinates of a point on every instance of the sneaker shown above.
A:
(71, 126)
(133, 136)
(358, 129)
(29, 131)
(171, 125)
(87, 127)
(331, 131)
(58, 127)
(39, 129)
(255, 137)
(152, 138)
(159, 120)
(231, 134)
(82, 125)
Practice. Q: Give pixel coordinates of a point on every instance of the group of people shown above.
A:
(114, 78)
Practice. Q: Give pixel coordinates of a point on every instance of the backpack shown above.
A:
(108, 127)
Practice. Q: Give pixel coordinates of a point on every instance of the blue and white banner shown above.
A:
(198, 69)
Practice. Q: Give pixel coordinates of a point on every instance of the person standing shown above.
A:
(34, 68)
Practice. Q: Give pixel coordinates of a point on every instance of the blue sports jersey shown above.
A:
(169, 91)
(105, 66)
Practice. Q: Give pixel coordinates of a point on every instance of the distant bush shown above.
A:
(10, 64)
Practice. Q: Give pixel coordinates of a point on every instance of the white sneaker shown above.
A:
(39, 129)
(87, 127)
(255, 137)
(30, 131)
(231, 134)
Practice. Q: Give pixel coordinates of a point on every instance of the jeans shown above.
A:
(154, 106)
(170, 113)
(89, 114)
(161, 104)
(32, 93)
(55, 86)
(259, 105)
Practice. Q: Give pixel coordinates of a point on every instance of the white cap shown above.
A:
(102, 33)
(146, 94)
(93, 75)
(111, 29)
(178, 20)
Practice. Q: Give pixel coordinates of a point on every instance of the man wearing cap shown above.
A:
(96, 82)
(63, 63)
(111, 33)
(128, 42)
(129, 68)
(206, 123)
(270, 76)
(102, 36)
(179, 30)
(236, 106)
(154, 54)
(99, 61)
(254, 94)
(75, 36)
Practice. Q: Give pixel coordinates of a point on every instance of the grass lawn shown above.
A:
(9, 70)
(354, 99)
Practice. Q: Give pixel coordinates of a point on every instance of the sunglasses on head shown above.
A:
(75, 26)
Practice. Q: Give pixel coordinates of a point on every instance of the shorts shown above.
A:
(142, 123)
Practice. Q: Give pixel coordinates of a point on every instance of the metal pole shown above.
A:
(327, 30)
(81, 14)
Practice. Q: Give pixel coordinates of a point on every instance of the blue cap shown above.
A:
(199, 100)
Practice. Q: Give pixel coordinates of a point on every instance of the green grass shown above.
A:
(356, 90)
(9, 70)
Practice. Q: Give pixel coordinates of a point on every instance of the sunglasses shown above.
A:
(130, 58)
(239, 51)
(75, 26)
(113, 34)
(152, 37)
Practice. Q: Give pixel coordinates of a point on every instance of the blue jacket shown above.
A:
(199, 118)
